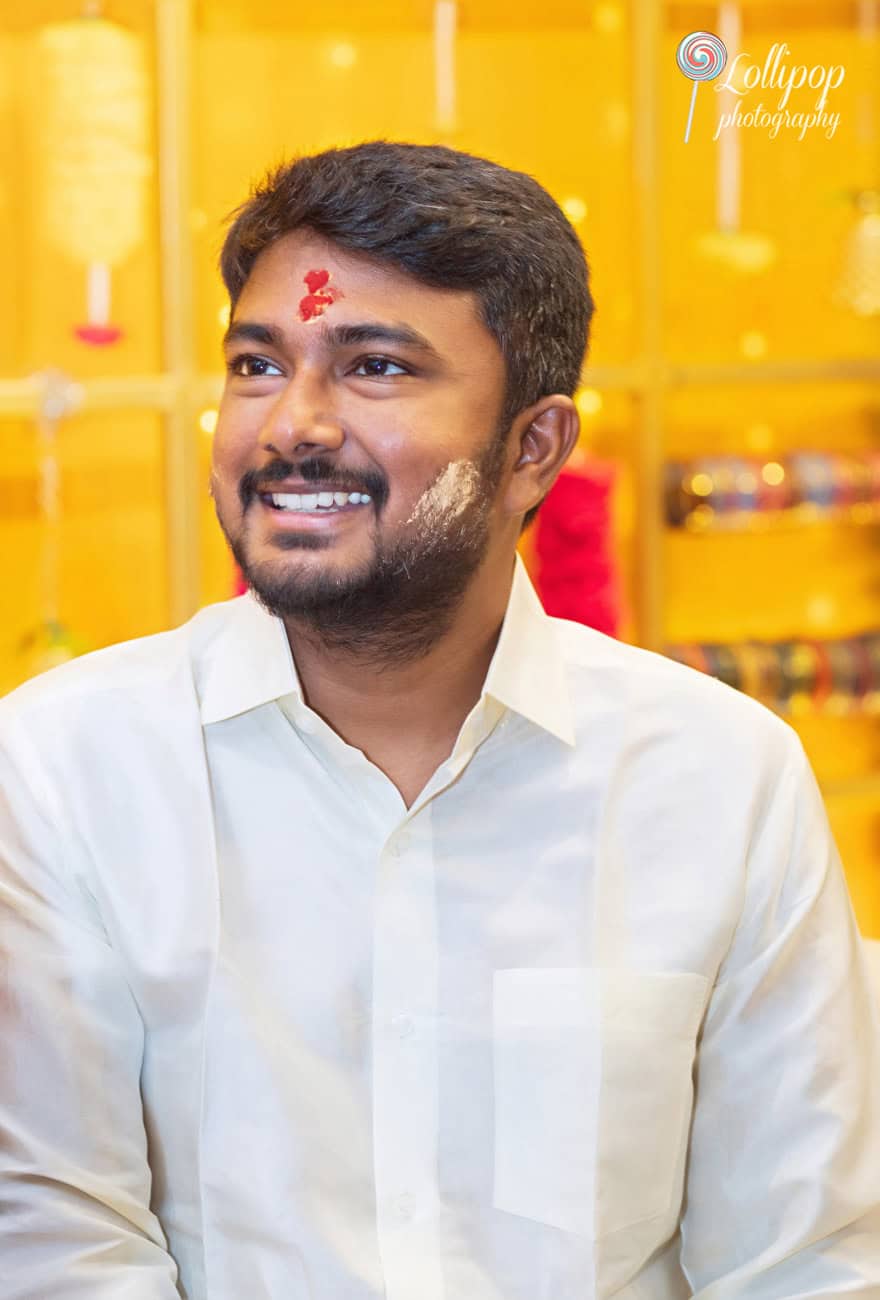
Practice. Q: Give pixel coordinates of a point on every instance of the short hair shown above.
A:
(451, 220)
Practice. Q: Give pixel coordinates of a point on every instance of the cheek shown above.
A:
(451, 493)
(228, 452)
(228, 465)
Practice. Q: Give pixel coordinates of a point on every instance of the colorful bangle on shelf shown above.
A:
(796, 676)
(725, 665)
(865, 676)
(813, 474)
(775, 490)
(751, 669)
(872, 697)
(746, 481)
(843, 677)
(799, 665)
(773, 673)
(736, 491)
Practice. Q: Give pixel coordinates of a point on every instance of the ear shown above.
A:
(545, 436)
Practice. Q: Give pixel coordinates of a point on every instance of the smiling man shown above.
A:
(374, 936)
(393, 400)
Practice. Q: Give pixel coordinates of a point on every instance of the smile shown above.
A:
(314, 511)
(314, 502)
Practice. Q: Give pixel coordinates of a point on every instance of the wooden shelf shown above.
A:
(759, 522)
(20, 398)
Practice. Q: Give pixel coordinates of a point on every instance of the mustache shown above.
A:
(313, 471)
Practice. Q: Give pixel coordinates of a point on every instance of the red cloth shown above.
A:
(577, 574)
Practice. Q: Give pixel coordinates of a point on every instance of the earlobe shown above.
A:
(549, 437)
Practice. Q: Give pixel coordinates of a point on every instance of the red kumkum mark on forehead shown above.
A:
(319, 297)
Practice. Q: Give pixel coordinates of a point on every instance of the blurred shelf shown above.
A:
(793, 371)
(20, 398)
(738, 522)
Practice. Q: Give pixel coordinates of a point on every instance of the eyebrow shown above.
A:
(335, 335)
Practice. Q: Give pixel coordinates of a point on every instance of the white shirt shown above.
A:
(592, 1018)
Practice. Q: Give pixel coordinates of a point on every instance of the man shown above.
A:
(374, 934)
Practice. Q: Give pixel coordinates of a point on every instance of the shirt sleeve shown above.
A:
(783, 1184)
(75, 1222)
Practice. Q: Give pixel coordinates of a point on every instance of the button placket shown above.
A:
(405, 1204)
(403, 1025)
(399, 845)
(405, 1066)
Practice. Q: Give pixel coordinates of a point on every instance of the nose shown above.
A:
(300, 421)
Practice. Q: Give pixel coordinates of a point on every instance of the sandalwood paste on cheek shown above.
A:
(447, 497)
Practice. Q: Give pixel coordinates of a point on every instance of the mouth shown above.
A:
(313, 509)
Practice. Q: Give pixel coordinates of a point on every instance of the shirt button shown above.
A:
(401, 844)
(405, 1204)
(403, 1025)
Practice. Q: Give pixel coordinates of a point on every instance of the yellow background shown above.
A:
(687, 358)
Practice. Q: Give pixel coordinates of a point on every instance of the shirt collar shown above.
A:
(527, 672)
(251, 664)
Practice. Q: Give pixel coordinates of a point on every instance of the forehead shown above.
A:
(362, 288)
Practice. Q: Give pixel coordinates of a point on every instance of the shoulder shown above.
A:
(669, 703)
(128, 677)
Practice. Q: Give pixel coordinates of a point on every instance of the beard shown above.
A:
(395, 607)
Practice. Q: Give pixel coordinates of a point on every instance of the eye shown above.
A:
(380, 361)
(234, 364)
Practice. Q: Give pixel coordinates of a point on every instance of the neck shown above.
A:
(389, 683)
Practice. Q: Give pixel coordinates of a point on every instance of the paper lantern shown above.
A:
(728, 245)
(445, 82)
(858, 286)
(50, 642)
(93, 158)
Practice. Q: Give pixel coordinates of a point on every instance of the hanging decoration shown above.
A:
(50, 642)
(858, 286)
(445, 21)
(93, 158)
(739, 250)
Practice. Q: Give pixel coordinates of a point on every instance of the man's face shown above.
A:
(307, 410)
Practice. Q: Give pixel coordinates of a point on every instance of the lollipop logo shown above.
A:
(701, 57)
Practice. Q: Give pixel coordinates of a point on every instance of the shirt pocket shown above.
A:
(593, 1093)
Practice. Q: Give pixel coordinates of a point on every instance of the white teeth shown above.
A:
(317, 500)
